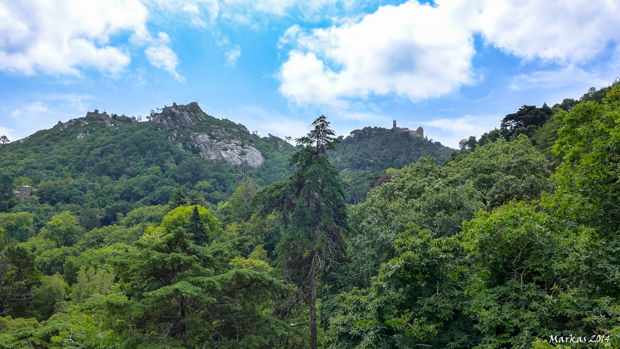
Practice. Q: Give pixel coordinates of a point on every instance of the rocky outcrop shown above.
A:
(179, 115)
(229, 150)
(221, 142)
(185, 123)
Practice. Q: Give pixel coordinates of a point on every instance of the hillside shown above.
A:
(135, 164)
(496, 231)
(364, 156)
(374, 149)
(115, 163)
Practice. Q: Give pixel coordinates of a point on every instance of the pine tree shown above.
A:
(197, 230)
(312, 203)
(178, 199)
(186, 296)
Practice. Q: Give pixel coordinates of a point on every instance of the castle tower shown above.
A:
(394, 124)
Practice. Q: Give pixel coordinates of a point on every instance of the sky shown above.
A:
(454, 67)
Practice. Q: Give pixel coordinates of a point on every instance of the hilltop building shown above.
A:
(24, 192)
(419, 132)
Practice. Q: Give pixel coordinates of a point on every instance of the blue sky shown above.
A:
(454, 67)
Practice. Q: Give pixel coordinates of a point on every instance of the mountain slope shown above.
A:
(115, 163)
(374, 149)
(364, 156)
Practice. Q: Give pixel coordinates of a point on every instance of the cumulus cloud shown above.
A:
(162, 56)
(58, 36)
(569, 31)
(420, 51)
(411, 50)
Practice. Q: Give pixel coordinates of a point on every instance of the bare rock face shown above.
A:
(229, 150)
(180, 115)
(218, 144)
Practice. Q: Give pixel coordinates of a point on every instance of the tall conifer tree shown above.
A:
(312, 204)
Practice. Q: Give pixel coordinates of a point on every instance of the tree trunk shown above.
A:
(313, 335)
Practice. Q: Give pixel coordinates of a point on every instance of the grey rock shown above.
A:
(181, 115)
(229, 150)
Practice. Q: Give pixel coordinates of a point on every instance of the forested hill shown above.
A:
(115, 163)
(364, 156)
(376, 149)
(495, 248)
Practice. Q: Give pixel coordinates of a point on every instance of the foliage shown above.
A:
(18, 278)
(512, 243)
(63, 229)
(18, 226)
(184, 294)
(525, 268)
(312, 202)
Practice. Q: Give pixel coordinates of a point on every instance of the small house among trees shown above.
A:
(24, 192)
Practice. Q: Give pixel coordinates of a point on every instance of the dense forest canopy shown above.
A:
(376, 240)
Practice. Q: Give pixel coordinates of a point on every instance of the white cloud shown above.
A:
(232, 55)
(420, 51)
(450, 131)
(162, 56)
(290, 35)
(412, 50)
(58, 36)
(568, 31)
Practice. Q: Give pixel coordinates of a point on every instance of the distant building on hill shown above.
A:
(24, 192)
(419, 132)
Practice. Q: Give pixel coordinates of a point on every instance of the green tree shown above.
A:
(182, 217)
(50, 298)
(197, 230)
(18, 225)
(192, 170)
(91, 284)
(63, 229)
(18, 278)
(184, 295)
(90, 219)
(588, 143)
(526, 120)
(6, 187)
(178, 199)
(313, 203)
